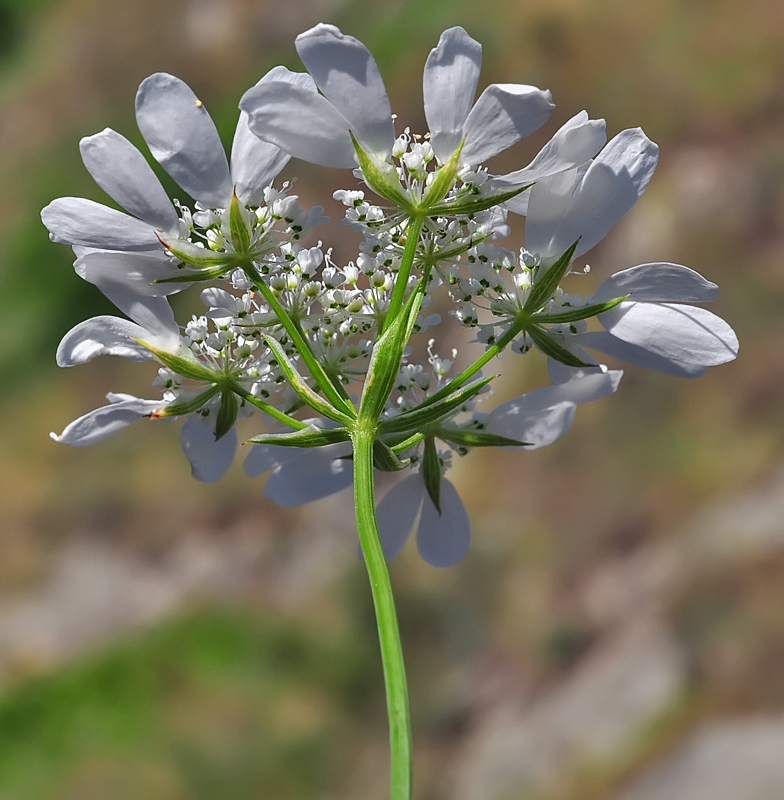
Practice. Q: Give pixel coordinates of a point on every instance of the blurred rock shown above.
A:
(729, 760)
(593, 716)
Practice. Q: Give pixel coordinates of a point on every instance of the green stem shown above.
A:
(415, 224)
(469, 372)
(275, 413)
(386, 618)
(316, 370)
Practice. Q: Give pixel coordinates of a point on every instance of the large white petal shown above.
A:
(124, 174)
(101, 423)
(264, 457)
(526, 419)
(210, 459)
(397, 513)
(300, 121)
(100, 336)
(444, 539)
(311, 475)
(77, 221)
(348, 76)
(543, 416)
(573, 144)
(136, 272)
(548, 202)
(183, 139)
(254, 163)
(686, 334)
(610, 187)
(660, 282)
(632, 354)
(449, 85)
(504, 114)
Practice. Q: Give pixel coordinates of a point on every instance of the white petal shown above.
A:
(210, 459)
(183, 139)
(610, 187)
(124, 174)
(444, 539)
(264, 457)
(76, 221)
(348, 76)
(100, 336)
(528, 419)
(135, 272)
(254, 163)
(311, 475)
(606, 343)
(504, 114)
(548, 203)
(449, 85)
(105, 421)
(301, 122)
(686, 334)
(659, 283)
(397, 513)
(560, 373)
(574, 143)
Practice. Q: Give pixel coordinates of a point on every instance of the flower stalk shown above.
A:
(401, 751)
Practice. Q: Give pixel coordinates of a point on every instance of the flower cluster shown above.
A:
(323, 349)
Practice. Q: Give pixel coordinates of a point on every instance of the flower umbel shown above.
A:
(331, 353)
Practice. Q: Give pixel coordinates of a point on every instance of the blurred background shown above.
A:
(617, 631)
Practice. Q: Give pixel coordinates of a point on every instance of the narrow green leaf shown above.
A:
(425, 415)
(465, 208)
(444, 180)
(195, 256)
(586, 312)
(468, 438)
(385, 362)
(227, 414)
(382, 178)
(431, 472)
(385, 458)
(298, 384)
(238, 227)
(186, 367)
(550, 347)
(188, 407)
(546, 283)
(312, 436)
(195, 277)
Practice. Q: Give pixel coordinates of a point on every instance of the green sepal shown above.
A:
(385, 361)
(545, 284)
(468, 438)
(424, 415)
(312, 436)
(443, 182)
(185, 367)
(199, 257)
(550, 347)
(468, 207)
(227, 414)
(238, 227)
(181, 409)
(298, 384)
(385, 459)
(431, 472)
(586, 312)
(382, 178)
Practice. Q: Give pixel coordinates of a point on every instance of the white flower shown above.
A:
(541, 417)
(154, 324)
(585, 202)
(286, 109)
(183, 139)
(654, 329)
